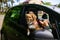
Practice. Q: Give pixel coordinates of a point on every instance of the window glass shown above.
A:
(15, 14)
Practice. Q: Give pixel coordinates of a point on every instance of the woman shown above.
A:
(44, 20)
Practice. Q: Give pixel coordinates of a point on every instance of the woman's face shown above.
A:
(40, 12)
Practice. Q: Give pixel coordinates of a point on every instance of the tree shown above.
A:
(12, 2)
(0, 0)
(47, 3)
(59, 5)
(5, 1)
(0, 5)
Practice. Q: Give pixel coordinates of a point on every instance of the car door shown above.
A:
(12, 30)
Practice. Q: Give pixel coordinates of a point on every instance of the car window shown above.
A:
(15, 13)
(10, 24)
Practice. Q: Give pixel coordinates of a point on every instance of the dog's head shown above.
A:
(30, 17)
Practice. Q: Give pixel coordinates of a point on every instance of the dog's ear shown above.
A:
(34, 16)
(27, 15)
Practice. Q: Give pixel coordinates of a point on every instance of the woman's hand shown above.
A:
(44, 23)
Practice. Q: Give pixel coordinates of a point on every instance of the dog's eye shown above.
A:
(29, 17)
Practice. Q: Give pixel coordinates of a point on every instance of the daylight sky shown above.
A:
(17, 2)
(52, 1)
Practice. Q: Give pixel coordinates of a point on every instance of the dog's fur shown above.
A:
(31, 17)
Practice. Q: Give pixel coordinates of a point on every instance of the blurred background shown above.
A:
(6, 4)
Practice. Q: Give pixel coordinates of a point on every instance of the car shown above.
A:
(14, 24)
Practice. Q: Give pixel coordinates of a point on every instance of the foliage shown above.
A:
(59, 5)
(47, 3)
